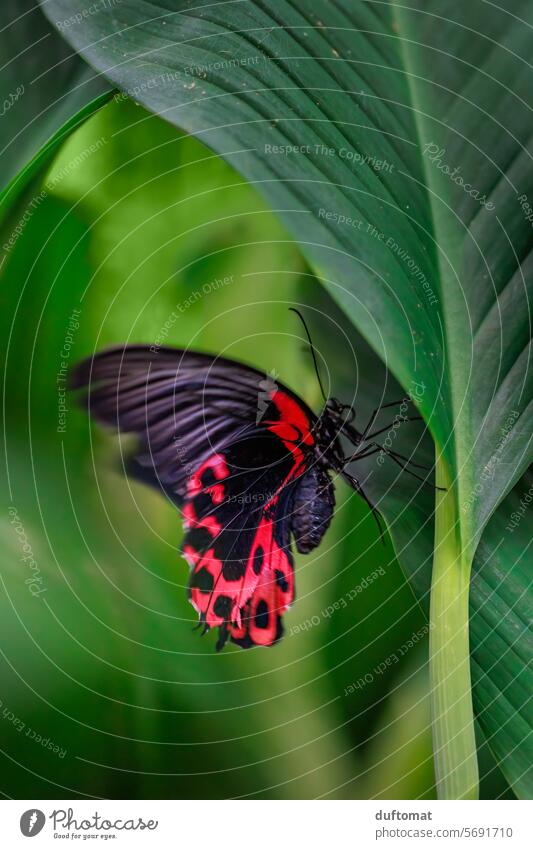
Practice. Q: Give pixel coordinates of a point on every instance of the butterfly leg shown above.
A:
(391, 424)
(360, 491)
(375, 447)
(376, 413)
(397, 458)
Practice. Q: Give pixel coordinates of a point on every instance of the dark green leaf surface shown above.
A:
(472, 86)
(45, 92)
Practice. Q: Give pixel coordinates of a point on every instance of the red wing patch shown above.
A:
(291, 425)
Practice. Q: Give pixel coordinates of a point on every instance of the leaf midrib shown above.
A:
(459, 436)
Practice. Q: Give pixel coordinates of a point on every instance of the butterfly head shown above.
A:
(339, 421)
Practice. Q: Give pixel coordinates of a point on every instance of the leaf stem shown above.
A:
(454, 744)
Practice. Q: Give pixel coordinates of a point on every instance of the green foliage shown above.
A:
(356, 121)
(401, 167)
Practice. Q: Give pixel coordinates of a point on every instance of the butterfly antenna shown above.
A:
(313, 352)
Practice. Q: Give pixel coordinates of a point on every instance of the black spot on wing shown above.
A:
(202, 580)
(233, 570)
(222, 606)
(245, 642)
(203, 504)
(262, 614)
(208, 478)
(199, 539)
(259, 555)
(281, 580)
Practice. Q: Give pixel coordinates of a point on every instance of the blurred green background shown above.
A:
(103, 664)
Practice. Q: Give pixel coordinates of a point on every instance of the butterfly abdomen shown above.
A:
(312, 509)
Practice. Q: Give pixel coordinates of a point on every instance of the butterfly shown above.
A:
(246, 461)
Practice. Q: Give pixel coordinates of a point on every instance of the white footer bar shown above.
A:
(266, 824)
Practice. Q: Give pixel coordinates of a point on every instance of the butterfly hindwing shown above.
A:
(237, 539)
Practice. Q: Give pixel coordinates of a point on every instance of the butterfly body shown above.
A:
(246, 461)
(312, 508)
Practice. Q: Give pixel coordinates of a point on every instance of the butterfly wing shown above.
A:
(226, 444)
(237, 541)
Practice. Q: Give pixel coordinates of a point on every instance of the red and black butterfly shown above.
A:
(246, 461)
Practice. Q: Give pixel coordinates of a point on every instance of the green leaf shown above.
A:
(403, 169)
(501, 595)
(46, 91)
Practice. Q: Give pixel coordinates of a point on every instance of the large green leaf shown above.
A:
(402, 167)
(501, 597)
(45, 92)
